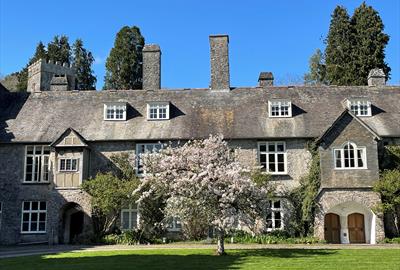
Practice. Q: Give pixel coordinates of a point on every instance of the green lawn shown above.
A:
(281, 259)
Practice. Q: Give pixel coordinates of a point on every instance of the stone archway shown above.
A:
(72, 222)
(347, 202)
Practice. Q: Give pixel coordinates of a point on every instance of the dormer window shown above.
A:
(115, 111)
(360, 107)
(280, 108)
(158, 111)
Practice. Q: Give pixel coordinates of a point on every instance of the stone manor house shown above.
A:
(53, 137)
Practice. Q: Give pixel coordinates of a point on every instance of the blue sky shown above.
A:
(277, 36)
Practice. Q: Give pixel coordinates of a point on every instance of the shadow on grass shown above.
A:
(155, 259)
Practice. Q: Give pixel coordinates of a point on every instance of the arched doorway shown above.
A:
(355, 224)
(332, 228)
(72, 222)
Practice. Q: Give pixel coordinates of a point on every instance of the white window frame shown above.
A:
(358, 103)
(130, 210)
(355, 155)
(30, 212)
(157, 106)
(280, 104)
(276, 153)
(44, 176)
(65, 164)
(139, 172)
(115, 106)
(172, 224)
(273, 212)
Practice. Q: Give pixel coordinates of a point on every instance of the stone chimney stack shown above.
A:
(219, 55)
(151, 67)
(376, 77)
(266, 79)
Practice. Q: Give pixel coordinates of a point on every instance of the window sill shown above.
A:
(349, 169)
(35, 183)
(114, 120)
(161, 119)
(41, 232)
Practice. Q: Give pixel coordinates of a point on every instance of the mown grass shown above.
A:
(205, 259)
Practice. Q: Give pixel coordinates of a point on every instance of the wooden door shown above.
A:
(332, 228)
(356, 228)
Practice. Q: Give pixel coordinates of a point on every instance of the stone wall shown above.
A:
(351, 130)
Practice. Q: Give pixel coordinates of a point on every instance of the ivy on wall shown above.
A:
(304, 197)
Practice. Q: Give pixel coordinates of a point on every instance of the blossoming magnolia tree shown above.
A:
(203, 177)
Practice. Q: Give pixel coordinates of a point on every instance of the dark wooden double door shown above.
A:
(355, 224)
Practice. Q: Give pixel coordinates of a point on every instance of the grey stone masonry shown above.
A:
(349, 129)
(219, 53)
(376, 77)
(41, 73)
(266, 79)
(151, 67)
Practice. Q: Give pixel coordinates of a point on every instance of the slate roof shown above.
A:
(239, 114)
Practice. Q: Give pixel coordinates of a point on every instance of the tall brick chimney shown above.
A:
(151, 67)
(219, 55)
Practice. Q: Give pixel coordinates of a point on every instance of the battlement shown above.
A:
(41, 73)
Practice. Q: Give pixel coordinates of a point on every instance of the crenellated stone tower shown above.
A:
(50, 76)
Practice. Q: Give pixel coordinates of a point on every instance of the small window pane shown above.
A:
(26, 205)
(42, 205)
(277, 204)
(271, 147)
(125, 220)
(263, 147)
(35, 205)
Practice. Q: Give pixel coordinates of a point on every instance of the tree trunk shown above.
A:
(220, 242)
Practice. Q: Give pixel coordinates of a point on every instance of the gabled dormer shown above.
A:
(349, 153)
(71, 161)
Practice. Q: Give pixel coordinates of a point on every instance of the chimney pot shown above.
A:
(266, 79)
(151, 67)
(376, 77)
(219, 54)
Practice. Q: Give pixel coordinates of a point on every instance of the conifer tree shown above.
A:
(354, 46)
(59, 49)
(83, 60)
(124, 64)
(338, 51)
(369, 44)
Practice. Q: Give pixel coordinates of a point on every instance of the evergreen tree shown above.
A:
(59, 49)
(369, 44)
(338, 53)
(124, 64)
(40, 53)
(83, 60)
(354, 47)
(317, 74)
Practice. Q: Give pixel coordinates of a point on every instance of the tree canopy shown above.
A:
(124, 64)
(83, 61)
(202, 177)
(354, 46)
